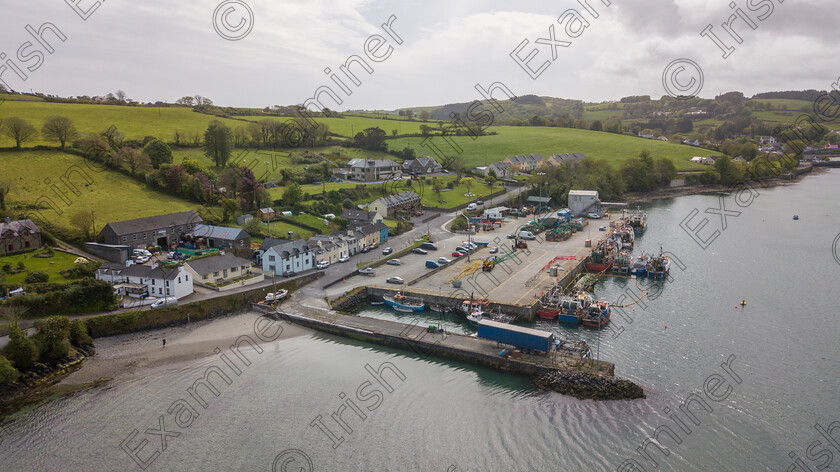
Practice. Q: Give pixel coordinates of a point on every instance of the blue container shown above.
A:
(517, 336)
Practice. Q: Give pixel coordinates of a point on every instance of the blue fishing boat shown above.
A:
(638, 221)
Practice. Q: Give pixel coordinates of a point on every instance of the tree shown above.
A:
(83, 221)
(114, 137)
(188, 101)
(54, 331)
(596, 125)
(253, 227)
(229, 207)
(437, 185)
(94, 147)
(19, 130)
(467, 182)
(293, 195)
(8, 374)
(5, 188)
(59, 128)
(121, 95)
(425, 115)
(136, 161)
(395, 132)
(158, 152)
(326, 173)
(218, 142)
(20, 350)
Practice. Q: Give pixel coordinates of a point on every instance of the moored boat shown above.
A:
(638, 221)
(639, 266)
(400, 302)
(660, 266)
(598, 315)
(621, 265)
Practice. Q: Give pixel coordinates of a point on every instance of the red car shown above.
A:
(457, 254)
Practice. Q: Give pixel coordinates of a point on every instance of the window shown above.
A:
(234, 269)
(167, 284)
(167, 292)
(204, 277)
(153, 281)
(186, 278)
(124, 239)
(160, 291)
(134, 236)
(215, 274)
(271, 268)
(26, 244)
(179, 279)
(271, 258)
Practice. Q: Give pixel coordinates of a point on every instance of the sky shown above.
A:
(438, 50)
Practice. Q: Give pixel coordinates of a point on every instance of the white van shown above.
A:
(142, 253)
(471, 207)
(168, 301)
(527, 235)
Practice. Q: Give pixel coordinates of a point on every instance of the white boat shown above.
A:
(399, 300)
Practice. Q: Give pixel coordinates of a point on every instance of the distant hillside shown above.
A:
(808, 95)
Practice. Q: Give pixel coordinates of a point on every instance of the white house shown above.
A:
(583, 201)
(289, 256)
(328, 248)
(158, 281)
(703, 160)
(495, 213)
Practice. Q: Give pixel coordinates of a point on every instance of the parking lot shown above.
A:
(515, 280)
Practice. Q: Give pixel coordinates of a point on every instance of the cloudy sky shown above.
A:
(156, 50)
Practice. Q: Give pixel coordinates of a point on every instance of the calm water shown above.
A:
(785, 343)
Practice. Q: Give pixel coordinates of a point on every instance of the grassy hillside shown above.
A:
(350, 125)
(512, 140)
(111, 195)
(792, 105)
(135, 122)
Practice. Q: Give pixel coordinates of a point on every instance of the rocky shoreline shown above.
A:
(584, 386)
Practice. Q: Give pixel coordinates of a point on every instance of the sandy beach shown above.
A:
(128, 354)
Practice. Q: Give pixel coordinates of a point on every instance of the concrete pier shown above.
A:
(417, 339)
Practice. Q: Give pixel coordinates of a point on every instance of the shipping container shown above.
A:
(517, 336)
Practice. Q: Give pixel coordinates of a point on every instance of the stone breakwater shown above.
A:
(586, 386)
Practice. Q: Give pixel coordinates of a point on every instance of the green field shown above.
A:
(134, 122)
(111, 195)
(52, 266)
(792, 105)
(347, 127)
(513, 140)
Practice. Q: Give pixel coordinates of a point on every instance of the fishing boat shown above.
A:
(660, 266)
(499, 317)
(639, 266)
(598, 315)
(621, 265)
(573, 308)
(440, 308)
(400, 302)
(377, 303)
(795, 217)
(638, 221)
(626, 236)
(602, 256)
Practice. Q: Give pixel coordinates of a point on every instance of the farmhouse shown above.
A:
(154, 230)
(221, 269)
(391, 204)
(141, 281)
(703, 160)
(289, 256)
(422, 165)
(372, 170)
(19, 235)
(583, 201)
(222, 237)
(360, 217)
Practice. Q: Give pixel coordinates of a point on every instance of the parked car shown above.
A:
(443, 260)
(479, 202)
(432, 264)
(365, 249)
(322, 265)
(289, 273)
(141, 260)
(387, 251)
(494, 250)
(395, 280)
(462, 250)
(418, 250)
(142, 252)
(344, 259)
(367, 271)
(511, 236)
(457, 254)
(429, 246)
(393, 262)
(167, 301)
